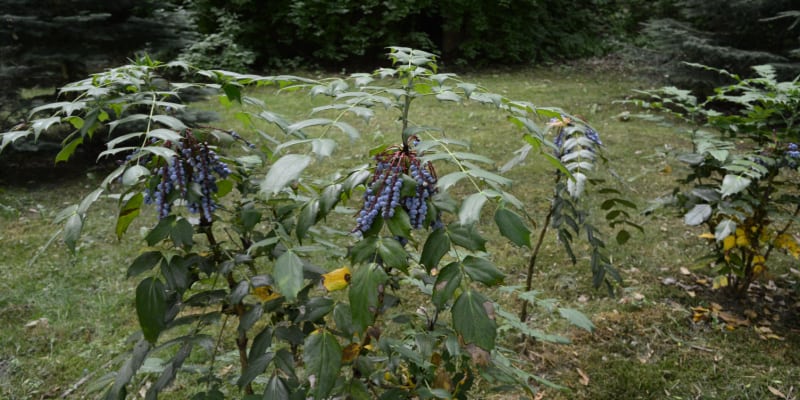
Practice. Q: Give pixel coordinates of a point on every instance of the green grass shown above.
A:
(645, 345)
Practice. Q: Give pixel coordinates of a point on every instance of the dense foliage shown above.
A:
(464, 31)
(742, 180)
(732, 35)
(243, 223)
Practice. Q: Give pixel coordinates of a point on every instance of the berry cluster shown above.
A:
(191, 175)
(559, 124)
(385, 190)
(793, 152)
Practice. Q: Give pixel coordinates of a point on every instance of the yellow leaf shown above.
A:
(707, 235)
(350, 352)
(266, 293)
(741, 238)
(728, 243)
(720, 282)
(337, 279)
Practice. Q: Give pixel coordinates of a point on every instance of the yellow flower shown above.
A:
(337, 279)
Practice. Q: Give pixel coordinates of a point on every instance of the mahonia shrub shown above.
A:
(400, 307)
(742, 175)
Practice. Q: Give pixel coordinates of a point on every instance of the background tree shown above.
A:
(732, 35)
(49, 43)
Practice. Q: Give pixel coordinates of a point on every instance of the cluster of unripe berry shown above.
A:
(396, 167)
(190, 176)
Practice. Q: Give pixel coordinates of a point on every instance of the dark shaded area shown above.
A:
(52, 42)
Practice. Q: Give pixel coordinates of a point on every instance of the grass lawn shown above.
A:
(65, 318)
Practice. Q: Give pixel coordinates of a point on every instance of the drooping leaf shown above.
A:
(466, 236)
(72, 231)
(255, 367)
(151, 308)
(473, 321)
(447, 281)
(436, 246)
(276, 389)
(322, 356)
(181, 233)
(483, 270)
(363, 294)
(288, 275)
(128, 213)
(512, 227)
(68, 150)
(284, 171)
(724, 229)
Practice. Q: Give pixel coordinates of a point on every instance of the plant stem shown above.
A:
(532, 262)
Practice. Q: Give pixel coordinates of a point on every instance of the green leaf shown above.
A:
(733, 184)
(512, 227)
(697, 215)
(447, 281)
(181, 233)
(724, 229)
(473, 319)
(467, 237)
(151, 307)
(276, 389)
(131, 175)
(393, 254)
(128, 213)
(255, 367)
(450, 179)
(307, 218)
(483, 270)
(161, 231)
(363, 294)
(470, 211)
(68, 150)
(72, 231)
(400, 224)
(233, 92)
(577, 318)
(144, 262)
(283, 172)
(322, 356)
(623, 236)
(437, 245)
(288, 275)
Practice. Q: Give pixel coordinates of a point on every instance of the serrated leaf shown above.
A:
(697, 215)
(151, 308)
(307, 218)
(449, 96)
(450, 179)
(472, 321)
(483, 271)
(170, 121)
(288, 275)
(181, 233)
(512, 227)
(363, 294)
(470, 211)
(284, 171)
(577, 318)
(322, 356)
(436, 246)
(733, 184)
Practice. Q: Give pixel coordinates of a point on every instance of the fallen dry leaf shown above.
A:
(776, 392)
(685, 271)
(584, 378)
